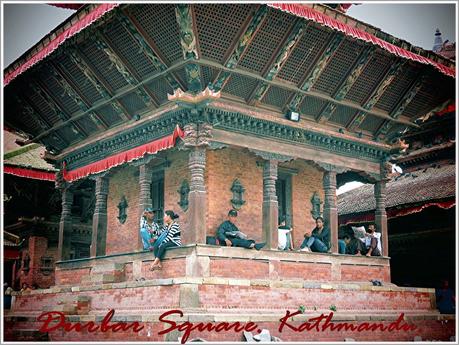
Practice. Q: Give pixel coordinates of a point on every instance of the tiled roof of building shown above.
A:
(29, 156)
(433, 183)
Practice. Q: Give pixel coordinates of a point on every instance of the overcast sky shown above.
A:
(26, 24)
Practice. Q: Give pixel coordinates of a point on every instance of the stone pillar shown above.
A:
(99, 219)
(198, 196)
(65, 225)
(381, 216)
(145, 176)
(330, 208)
(270, 207)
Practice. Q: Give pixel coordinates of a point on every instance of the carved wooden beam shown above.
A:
(53, 103)
(188, 40)
(29, 111)
(121, 93)
(393, 70)
(287, 47)
(319, 66)
(97, 81)
(346, 85)
(71, 90)
(241, 47)
(355, 73)
(293, 88)
(402, 104)
(122, 66)
(148, 47)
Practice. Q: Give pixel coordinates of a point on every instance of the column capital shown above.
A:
(331, 167)
(148, 158)
(197, 135)
(271, 156)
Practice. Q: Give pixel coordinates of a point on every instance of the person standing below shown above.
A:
(227, 234)
(318, 240)
(172, 238)
(149, 230)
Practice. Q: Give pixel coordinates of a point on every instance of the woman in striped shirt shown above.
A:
(172, 239)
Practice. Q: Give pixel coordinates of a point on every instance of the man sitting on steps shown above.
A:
(229, 235)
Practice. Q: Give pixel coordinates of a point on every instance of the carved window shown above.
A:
(183, 191)
(47, 264)
(122, 210)
(238, 194)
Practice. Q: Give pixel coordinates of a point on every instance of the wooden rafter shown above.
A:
(320, 64)
(30, 110)
(125, 69)
(280, 57)
(97, 81)
(347, 84)
(402, 104)
(39, 87)
(123, 92)
(72, 91)
(241, 46)
(293, 88)
(376, 95)
(148, 47)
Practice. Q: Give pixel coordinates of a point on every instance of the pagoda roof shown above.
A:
(108, 65)
(434, 183)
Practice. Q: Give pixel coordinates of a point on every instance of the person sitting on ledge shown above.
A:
(372, 242)
(353, 245)
(149, 230)
(229, 235)
(319, 240)
(172, 239)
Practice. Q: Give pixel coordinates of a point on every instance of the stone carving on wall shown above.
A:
(316, 202)
(122, 208)
(183, 192)
(238, 194)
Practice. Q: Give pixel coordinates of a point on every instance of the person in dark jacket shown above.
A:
(171, 240)
(318, 240)
(354, 246)
(229, 235)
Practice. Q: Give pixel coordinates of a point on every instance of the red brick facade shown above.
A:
(123, 238)
(223, 166)
(37, 274)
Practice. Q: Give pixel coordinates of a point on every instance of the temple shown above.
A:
(203, 108)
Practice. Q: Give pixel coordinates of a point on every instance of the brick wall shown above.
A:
(37, 248)
(173, 177)
(304, 184)
(223, 167)
(122, 238)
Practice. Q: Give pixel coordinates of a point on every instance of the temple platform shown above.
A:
(218, 284)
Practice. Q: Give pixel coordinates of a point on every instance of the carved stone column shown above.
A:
(99, 219)
(145, 177)
(381, 216)
(330, 208)
(270, 207)
(65, 225)
(198, 196)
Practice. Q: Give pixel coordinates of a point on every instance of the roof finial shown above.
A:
(438, 42)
